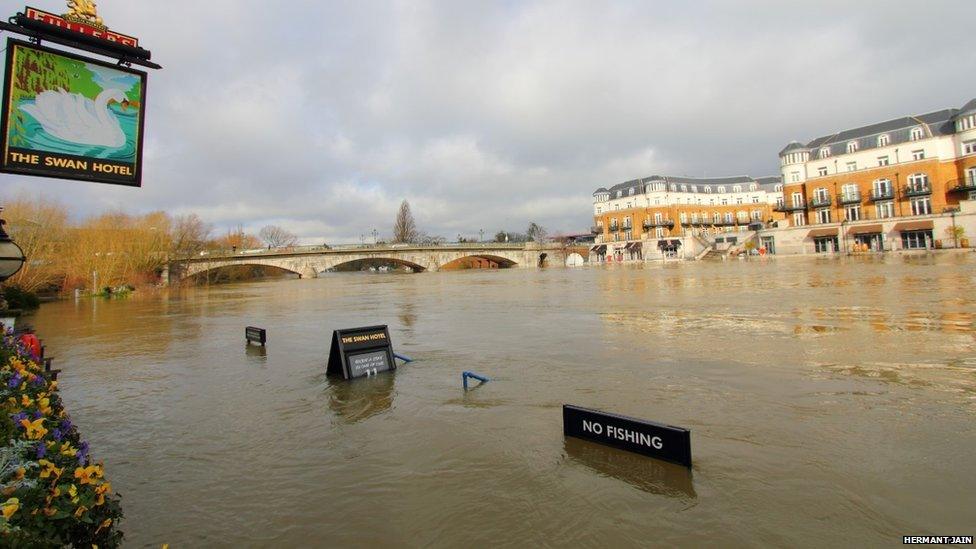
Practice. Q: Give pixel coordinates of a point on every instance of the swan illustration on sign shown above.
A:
(77, 119)
(81, 117)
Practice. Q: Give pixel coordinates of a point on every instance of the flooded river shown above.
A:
(831, 401)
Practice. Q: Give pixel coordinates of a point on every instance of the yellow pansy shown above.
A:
(20, 473)
(88, 475)
(44, 405)
(67, 450)
(80, 511)
(10, 507)
(73, 491)
(101, 491)
(26, 401)
(48, 469)
(35, 429)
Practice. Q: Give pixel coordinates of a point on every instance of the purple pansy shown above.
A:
(41, 450)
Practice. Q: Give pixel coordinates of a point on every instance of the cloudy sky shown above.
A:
(321, 116)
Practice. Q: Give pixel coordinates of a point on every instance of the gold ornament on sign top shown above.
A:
(85, 12)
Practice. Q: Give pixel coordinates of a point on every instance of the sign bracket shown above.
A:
(36, 31)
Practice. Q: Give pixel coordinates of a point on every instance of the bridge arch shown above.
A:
(196, 272)
(370, 261)
(479, 261)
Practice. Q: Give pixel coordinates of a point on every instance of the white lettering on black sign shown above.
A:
(634, 435)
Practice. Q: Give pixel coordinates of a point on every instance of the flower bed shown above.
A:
(51, 492)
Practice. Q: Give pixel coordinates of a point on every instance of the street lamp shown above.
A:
(11, 256)
(11, 259)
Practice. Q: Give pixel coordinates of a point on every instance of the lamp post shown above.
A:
(11, 259)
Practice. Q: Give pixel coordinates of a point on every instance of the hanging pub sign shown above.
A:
(361, 352)
(626, 433)
(69, 117)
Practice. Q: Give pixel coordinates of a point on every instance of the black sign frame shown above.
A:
(256, 335)
(5, 167)
(656, 440)
(354, 342)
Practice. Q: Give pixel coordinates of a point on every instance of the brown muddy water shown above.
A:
(831, 402)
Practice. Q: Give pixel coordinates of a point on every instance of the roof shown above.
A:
(793, 146)
(898, 130)
(638, 185)
(968, 108)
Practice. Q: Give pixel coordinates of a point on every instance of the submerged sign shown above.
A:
(71, 117)
(634, 435)
(361, 352)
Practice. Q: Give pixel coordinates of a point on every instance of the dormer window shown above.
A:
(620, 194)
(721, 189)
(694, 188)
(917, 134)
(824, 152)
(632, 191)
(684, 188)
(779, 188)
(852, 147)
(883, 140)
(708, 188)
(737, 189)
(753, 187)
(674, 188)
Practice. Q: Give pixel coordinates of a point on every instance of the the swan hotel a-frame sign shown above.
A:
(69, 116)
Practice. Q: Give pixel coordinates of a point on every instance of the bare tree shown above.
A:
(405, 229)
(189, 235)
(276, 237)
(536, 233)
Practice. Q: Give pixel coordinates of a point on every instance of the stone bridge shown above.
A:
(309, 262)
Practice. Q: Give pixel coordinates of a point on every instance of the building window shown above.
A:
(917, 134)
(755, 200)
(725, 201)
(684, 188)
(799, 220)
(822, 171)
(716, 218)
(971, 176)
(694, 188)
(619, 194)
(711, 201)
(918, 182)
(921, 206)
(883, 161)
(694, 217)
(780, 202)
(683, 217)
(883, 140)
(599, 210)
(885, 210)
(824, 152)
(825, 244)
(753, 187)
(729, 218)
(852, 166)
(916, 240)
(798, 200)
(629, 205)
(721, 190)
(737, 189)
(632, 191)
(794, 177)
(882, 189)
(852, 147)
(853, 212)
(743, 217)
(918, 155)
(738, 200)
(823, 216)
(969, 147)
(674, 188)
(757, 215)
(708, 188)
(628, 235)
(698, 201)
(659, 232)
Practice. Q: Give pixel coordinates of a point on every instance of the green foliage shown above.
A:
(18, 298)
